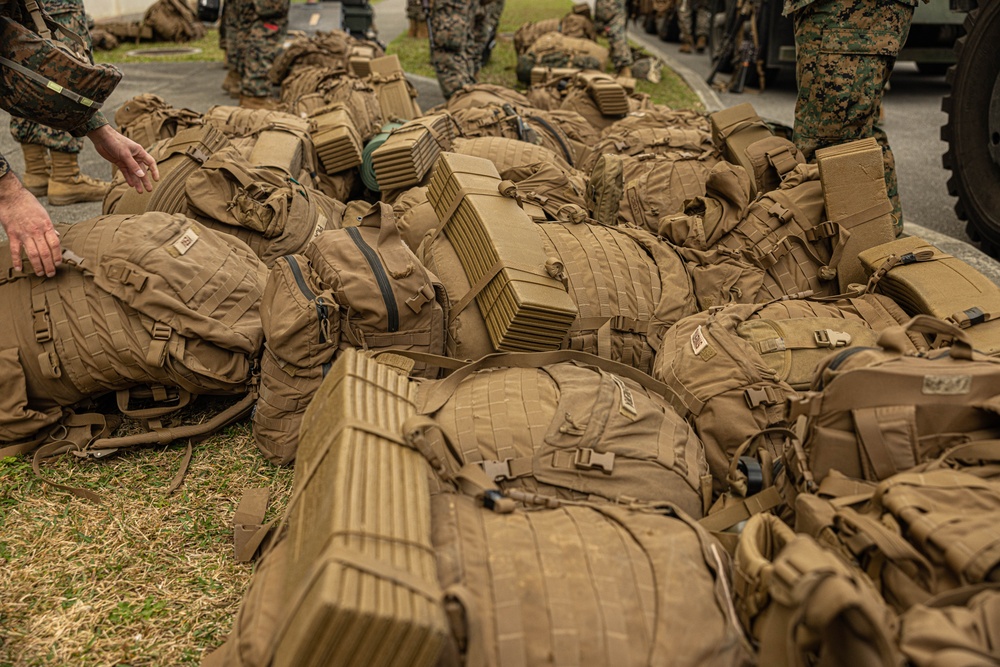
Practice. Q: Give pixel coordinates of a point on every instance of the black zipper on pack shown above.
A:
(843, 356)
(381, 278)
(555, 135)
(321, 310)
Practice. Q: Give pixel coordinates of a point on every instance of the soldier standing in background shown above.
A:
(702, 22)
(609, 19)
(51, 157)
(227, 27)
(487, 24)
(261, 26)
(459, 31)
(418, 19)
(845, 51)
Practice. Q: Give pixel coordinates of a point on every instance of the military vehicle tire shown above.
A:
(973, 128)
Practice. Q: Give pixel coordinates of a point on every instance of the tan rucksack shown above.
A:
(151, 299)
(506, 153)
(583, 585)
(357, 287)
(563, 424)
(965, 633)
(554, 49)
(529, 126)
(414, 216)
(578, 100)
(682, 144)
(325, 49)
(730, 370)
(803, 604)
(354, 546)
(628, 288)
(147, 118)
(875, 412)
(654, 116)
(528, 33)
(639, 190)
(549, 193)
(173, 21)
(478, 95)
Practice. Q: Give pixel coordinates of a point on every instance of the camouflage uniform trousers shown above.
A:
(260, 30)
(453, 44)
(609, 19)
(485, 27)
(228, 26)
(702, 19)
(68, 13)
(415, 10)
(846, 50)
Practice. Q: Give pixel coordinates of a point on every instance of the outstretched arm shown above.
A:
(138, 166)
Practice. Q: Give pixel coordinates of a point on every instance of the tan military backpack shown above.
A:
(357, 287)
(730, 370)
(554, 49)
(676, 143)
(147, 118)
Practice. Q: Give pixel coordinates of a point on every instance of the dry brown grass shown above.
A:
(139, 579)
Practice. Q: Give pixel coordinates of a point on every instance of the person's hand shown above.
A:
(29, 228)
(138, 166)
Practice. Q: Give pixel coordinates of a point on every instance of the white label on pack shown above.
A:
(627, 406)
(698, 342)
(947, 385)
(184, 243)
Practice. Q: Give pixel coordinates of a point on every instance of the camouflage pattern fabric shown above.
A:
(69, 13)
(702, 19)
(415, 10)
(261, 26)
(228, 26)
(609, 19)
(846, 51)
(452, 43)
(487, 20)
(4, 166)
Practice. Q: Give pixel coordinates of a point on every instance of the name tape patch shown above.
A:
(698, 342)
(627, 404)
(947, 385)
(186, 241)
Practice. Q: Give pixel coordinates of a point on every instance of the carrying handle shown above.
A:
(894, 339)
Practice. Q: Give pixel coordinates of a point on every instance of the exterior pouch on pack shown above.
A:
(734, 130)
(573, 430)
(301, 320)
(874, 412)
(583, 585)
(922, 279)
(229, 189)
(804, 605)
(18, 421)
(954, 634)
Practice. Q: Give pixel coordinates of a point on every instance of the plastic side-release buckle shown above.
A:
(587, 459)
(832, 339)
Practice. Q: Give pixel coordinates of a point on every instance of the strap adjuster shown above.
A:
(497, 470)
(832, 339)
(587, 459)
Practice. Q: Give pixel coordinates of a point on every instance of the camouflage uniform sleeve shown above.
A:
(96, 121)
(4, 166)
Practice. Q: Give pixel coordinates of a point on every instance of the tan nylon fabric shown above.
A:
(157, 299)
(883, 411)
(730, 369)
(148, 118)
(805, 605)
(674, 142)
(330, 299)
(506, 153)
(574, 432)
(639, 190)
(952, 635)
(577, 585)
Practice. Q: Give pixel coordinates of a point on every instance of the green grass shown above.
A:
(414, 54)
(209, 45)
(138, 579)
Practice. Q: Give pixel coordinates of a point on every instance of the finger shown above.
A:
(34, 256)
(153, 168)
(15, 253)
(55, 246)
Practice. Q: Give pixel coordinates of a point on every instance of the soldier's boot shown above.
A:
(232, 83)
(701, 44)
(420, 30)
(248, 102)
(685, 46)
(68, 186)
(36, 169)
(625, 71)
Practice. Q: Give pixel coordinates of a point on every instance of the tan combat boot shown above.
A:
(702, 44)
(68, 186)
(232, 83)
(36, 169)
(248, 102)
(625, 71)
(685, 46)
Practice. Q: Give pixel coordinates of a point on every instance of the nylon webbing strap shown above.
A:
(249, 529)
(51, 85)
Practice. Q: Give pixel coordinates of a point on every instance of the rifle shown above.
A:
(524, 131)
(728, 49)
(427, 18)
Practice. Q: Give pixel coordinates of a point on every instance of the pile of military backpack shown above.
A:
(595, 382)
